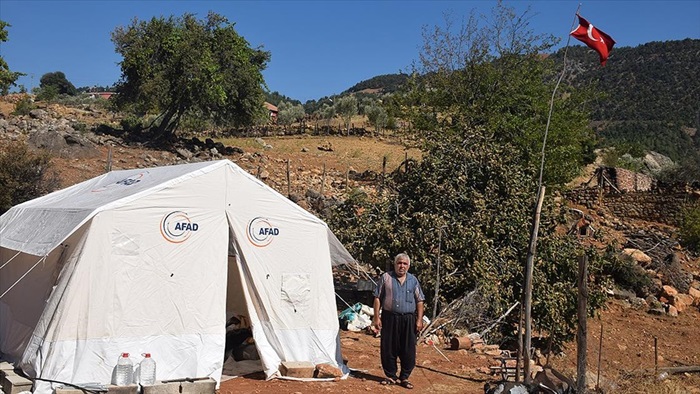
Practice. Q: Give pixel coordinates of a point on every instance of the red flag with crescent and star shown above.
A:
(595, 38)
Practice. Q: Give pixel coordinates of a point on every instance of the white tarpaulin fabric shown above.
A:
(139, 261)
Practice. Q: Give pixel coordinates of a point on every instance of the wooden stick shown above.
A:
(656, 356)
(499, 319)
(600, 353)
(672, 370)
(442, 354)
(323, 179)
(289, 183)
(582, 334)
(528, 284)
(109, 159)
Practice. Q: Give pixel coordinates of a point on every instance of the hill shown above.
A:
(651, 95)
(387, 83)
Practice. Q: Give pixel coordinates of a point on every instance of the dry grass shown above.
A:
(359, 153)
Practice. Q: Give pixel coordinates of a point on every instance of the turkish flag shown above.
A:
(595, 38)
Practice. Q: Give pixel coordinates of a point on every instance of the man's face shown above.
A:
(401, 266)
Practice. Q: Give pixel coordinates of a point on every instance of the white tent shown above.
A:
(155, 260)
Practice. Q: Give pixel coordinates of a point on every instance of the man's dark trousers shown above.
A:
(398, 340)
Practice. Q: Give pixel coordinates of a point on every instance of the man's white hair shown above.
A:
(402, 256)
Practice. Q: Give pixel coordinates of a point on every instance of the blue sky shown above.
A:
(319, 48)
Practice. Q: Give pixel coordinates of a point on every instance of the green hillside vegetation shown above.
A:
(651, 96)
(387, 83)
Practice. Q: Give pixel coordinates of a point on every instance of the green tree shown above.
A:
(7, 78)
(346, 107)
(289, 113)
(488, 76)
(327, 113)
(58, 82)
(181, 65)
(24, 175)
(376, 116)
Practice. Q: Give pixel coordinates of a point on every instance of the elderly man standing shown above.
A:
(399, 296)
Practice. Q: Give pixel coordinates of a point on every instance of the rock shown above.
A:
(304, 149)
(636, 255)
(327, 371)
(682, 301)
(695, 293)
(668, 291)
(672, 311)
(184, 153)
(622, 294)
(38, 114)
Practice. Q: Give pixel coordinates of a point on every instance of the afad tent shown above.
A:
(155, 260)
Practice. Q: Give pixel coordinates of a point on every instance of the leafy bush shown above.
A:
(629, 275)
(23, 106)
(47, 93)
(690, 227)
(24, 175)
(131, 124)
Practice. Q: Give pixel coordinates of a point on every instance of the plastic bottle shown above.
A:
(125, 370)
(147, 368)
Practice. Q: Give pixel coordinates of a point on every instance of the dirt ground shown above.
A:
(627, 361)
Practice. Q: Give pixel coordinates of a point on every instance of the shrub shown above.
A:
(24, 106)
(690, 227)
(131, 123)
(24, 175)
(630, 276)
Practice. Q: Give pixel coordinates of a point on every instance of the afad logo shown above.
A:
(261, 232)
(176, 227)
(134, 179)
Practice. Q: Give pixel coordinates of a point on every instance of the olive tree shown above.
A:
(7, 78)
(182, 66)
(289, 113)
(346, 107)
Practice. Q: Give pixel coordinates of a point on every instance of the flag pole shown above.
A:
(529, 266)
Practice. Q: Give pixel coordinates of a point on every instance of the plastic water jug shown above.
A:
(125, 370)
(147, 368)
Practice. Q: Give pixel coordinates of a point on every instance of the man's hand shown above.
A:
(419, 325)
(377, 322)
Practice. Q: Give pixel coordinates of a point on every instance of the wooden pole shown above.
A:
(289, 183)
(582, 335)
(381, 185)
(518, 371)
(600, 354)
(437, 278)
(109, 159)
(656, 356)
(323, 178)
(529, 267)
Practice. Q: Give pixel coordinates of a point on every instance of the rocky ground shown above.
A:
(321, 170)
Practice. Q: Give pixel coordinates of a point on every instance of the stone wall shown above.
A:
(661, 206)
